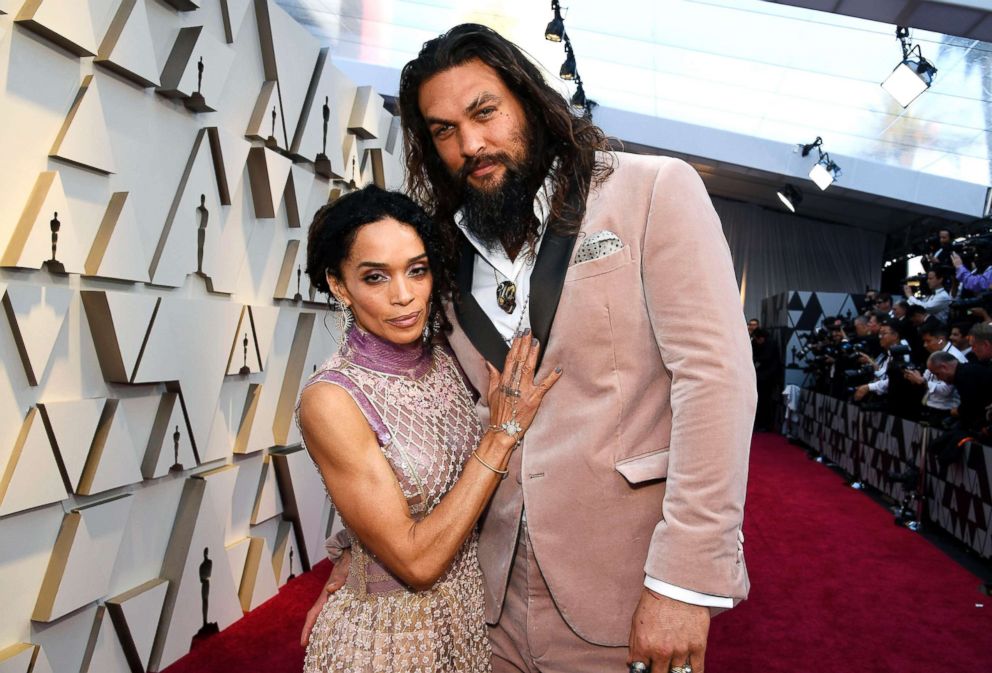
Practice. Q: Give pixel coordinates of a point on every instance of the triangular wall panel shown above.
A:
(17, 658)
(118, 251)
(267, 172)
(31, 476)
(135, 614)
(71, 427)
(67, 23)
(169, 445)
(268, 501)
(80, 567)
(47, 208)
(112, 460)
(107, 652)
(84, 139)
(258, 582)
(36, 314)
(128, 48)
(119, 323)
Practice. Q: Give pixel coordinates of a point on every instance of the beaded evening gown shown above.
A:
(416, 401)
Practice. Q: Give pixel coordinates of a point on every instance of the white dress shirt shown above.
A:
(942, 395)
(938, 304)
(494, 266)
(880, 385)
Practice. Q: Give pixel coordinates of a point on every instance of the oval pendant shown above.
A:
(506, 296)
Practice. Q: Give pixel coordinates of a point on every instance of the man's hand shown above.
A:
(666, 633)
(913, 376)
(860, 392)
(336, 580)
(956, 260)
(907, 290)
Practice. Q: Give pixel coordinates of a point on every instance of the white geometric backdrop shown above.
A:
(150, 373)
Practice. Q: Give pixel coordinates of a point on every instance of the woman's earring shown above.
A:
(345, 317)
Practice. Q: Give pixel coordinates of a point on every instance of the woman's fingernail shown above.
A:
(533, 342)
(557, 370)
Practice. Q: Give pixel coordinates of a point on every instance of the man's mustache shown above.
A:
(473, 162)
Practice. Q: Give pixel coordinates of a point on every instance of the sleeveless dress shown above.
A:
(418, 405)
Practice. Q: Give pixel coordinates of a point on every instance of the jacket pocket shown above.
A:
(597, 267)
(644, 467)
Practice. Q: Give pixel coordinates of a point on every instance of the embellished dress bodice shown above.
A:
(417, 403)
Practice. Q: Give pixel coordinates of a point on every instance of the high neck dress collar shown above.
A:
(372, 352)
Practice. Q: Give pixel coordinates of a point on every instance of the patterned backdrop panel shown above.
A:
(959, 499)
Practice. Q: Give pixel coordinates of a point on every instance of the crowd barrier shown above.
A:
(867, 445)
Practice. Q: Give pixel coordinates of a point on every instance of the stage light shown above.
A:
(824, 172)
(912, 76)
(579, 97)
(556, 28)
(568, 67)
(790, 197)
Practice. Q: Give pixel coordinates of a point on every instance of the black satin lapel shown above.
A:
(474, 322)
(546, 281)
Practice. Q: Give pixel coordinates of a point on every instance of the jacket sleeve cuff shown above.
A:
(687, 595)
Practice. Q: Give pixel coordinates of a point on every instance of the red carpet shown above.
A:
(835, 587)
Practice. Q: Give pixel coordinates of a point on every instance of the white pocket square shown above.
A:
(598, 245)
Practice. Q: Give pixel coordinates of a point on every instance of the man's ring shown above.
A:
(682, 669)
(638, 667)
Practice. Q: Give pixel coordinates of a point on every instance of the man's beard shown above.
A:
(502, 216)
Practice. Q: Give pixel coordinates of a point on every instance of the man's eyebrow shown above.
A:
(482, 99)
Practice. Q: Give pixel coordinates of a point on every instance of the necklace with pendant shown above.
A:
(506, 294)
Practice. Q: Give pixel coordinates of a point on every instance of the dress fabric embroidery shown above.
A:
(416, 401)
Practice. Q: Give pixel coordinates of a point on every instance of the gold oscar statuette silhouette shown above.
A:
(53, 265)
(196, 102)
(271, 141)
(245, 370)
(176, 465)
(322, 165)
(206, 569)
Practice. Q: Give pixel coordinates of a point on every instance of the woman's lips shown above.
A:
(405, 321)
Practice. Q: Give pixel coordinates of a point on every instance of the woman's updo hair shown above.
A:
(335, 226)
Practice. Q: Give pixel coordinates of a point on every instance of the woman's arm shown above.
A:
(365, 489)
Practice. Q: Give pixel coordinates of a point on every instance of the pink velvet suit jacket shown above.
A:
(637, 460)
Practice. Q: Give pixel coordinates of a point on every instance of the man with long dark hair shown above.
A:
(618, 528)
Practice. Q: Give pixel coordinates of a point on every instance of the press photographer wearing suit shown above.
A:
(618, 528)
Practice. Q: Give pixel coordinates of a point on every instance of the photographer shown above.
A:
(883, 304)
(980, 338)
(938, 250)
(919, 321)
(938, 302)
(940, 398)
(959, 337)
(889, 368)
(974, 281)
(974, 385)
(768, 372)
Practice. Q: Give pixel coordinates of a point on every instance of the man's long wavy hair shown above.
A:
(570, 143)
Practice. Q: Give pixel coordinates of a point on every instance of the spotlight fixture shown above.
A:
(790, 197)
(579, 97)
(913, 75)
(556, 27)
(824, 172)
(568, 67)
